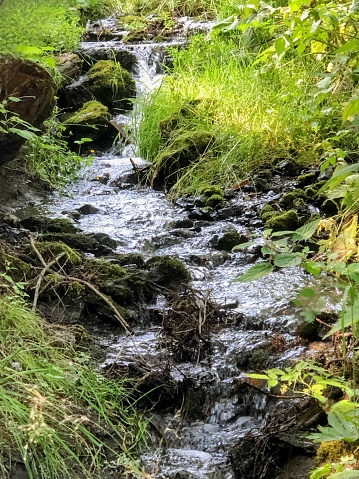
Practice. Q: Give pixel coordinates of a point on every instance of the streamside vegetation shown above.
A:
(271, 82)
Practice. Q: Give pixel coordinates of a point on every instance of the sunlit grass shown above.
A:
(256, 115)
(62, 418)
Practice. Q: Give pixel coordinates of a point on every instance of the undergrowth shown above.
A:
(257, 116)
(58, 417)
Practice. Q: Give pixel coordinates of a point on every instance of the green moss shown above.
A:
(167, 271)
(105, 270)
(78, 241)
(51, 249)
(267, 212)
(333, 451)
(228, 241)
(283, 221)
(306, 179)
(214, 201)
(288, 198)
(210, 191)
(184, 149)
(91, 113)
(17, 269)
(111, 84)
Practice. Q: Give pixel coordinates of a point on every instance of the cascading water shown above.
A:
(143, 220)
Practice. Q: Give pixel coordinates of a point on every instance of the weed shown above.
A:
(49, 158)
(53, 406)
(257, 116)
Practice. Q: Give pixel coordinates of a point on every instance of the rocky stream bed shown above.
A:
(195, 332)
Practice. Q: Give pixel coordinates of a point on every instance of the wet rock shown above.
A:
(228, 240)
(209, 260)
(81, 124)
(88, 209)
(182, 464)
(31, 83)
(105, 240)
(229, 212)
(182, 233)
(307, 179)
(200, 214)
(283, 221)
(69, 66)
(51, 225)
(167, 271)
(288, 167)
(77, 241)
(330, 207)
(111, 84)
(183, 224)
(186, 203)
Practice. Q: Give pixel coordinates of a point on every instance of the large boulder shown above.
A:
(32, 84)
(111, 84)
(69, 66)
(93, 121)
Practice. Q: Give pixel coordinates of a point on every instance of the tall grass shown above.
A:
(257, 116)
(59, 416)
(39, 23)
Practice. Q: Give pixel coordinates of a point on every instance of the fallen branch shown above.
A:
(71, 279)
(41, 277)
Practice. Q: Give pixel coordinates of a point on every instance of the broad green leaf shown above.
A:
(306, 231)
(281, 233)
(255, 272)
(257, 376)
(345, 475)
(351, 110)
(280, 45)
(341, 172)
(15, 99)
(243, 245)
(339, 429)
(351, 45)
(307, 293)
(28, 135)
(350, 317)
(287, 260)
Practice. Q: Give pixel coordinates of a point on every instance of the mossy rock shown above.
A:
(125, 259)
(123, 286)
(51, 249)
(267, 212)
(111, 84)
(183, 150)
(283, 221)
(101, 269)
(13, 266)
(214, 201)
(289, 198)
(334, 451)
(77, 241)
(91, 121)
(228, 241)
(307, 179)
(167, 271)
(211, 190)
(51, 225)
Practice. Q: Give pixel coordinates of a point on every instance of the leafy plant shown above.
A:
(49, 158)
(280, 252)
(11, 122)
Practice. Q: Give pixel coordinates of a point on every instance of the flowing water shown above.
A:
(259, 313)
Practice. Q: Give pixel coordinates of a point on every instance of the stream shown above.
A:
(255, 318)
